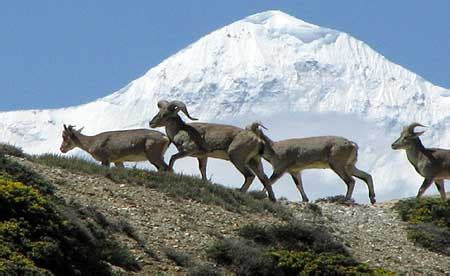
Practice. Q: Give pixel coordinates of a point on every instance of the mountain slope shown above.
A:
(373, 234)
(269, 65)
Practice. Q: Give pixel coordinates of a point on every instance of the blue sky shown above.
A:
(63, 53)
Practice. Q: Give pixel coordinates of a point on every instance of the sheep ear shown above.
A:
(65, 127)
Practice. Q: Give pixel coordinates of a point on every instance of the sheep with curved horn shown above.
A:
(203, 140)
(119, 146)
(431, 163)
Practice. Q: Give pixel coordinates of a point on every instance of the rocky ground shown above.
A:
(374, 234)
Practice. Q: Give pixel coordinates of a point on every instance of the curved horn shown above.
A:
(183, 108)
(254, 126)
(261, 125)
(162, 103)
(410, 128)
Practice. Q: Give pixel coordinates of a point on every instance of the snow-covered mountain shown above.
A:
(281, 70)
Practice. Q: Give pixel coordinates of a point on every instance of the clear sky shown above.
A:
(62, 53)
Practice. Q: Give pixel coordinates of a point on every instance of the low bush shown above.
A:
(243, 257)
(11, 150)
(287, 249)
(429, 222)
(339, 199)
(313, 263)
(294, 235)
(14, 171)
(204, 270)
(314, 208)
(178, 257)
(41, 235)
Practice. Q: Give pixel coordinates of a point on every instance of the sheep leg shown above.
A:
(426, 183)
(366, 178)
(159, 164)
(175, 157)
(441, 187)
(119, 164)
(246, 172)
(202, 162)
(249, 176)
(155, 155)
(298, 182)
(256, 166)
(242, 167)
(273, 178)
(346, 177)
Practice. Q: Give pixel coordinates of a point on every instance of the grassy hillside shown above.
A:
(429, 222)
(44, 234)
(174, 185)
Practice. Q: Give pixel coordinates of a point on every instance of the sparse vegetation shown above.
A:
(339, 199)
(314, 208)
(204, 270)
(174, 185)
(287, 249)
(178, 257)
(429, 222)
(41, 235)
(11, 150)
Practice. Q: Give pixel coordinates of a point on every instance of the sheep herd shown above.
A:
(245, 148)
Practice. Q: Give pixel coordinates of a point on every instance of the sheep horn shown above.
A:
(183, 108)
(410, 128)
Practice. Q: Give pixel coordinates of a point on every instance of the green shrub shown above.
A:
(18, 264)
(427, 209)
(429, 222)
(293, 235)
(312, 263)
(174, 185)
(243, 257)
(21, 201)
(40, 234)
(14, 171)
(287, 249)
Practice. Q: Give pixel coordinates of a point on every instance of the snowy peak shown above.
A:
(262, 65)
(278, 23)
(272, 58)
(277, 19)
